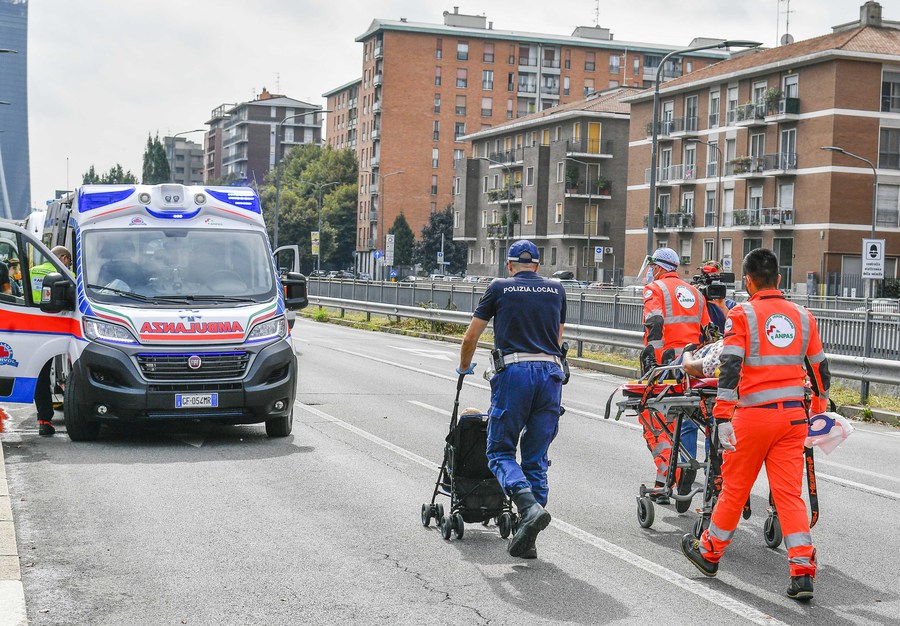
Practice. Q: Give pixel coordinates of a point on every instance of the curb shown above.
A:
(876, 415)
(12, 593)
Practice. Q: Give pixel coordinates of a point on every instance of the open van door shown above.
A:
(29, 336)
(287, 261)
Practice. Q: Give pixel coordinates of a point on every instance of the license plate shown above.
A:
(188, 401)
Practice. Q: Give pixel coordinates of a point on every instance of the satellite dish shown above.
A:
(787, 39)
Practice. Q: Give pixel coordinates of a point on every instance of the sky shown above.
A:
(103, 74)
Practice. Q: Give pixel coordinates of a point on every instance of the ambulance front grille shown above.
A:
(213, 366)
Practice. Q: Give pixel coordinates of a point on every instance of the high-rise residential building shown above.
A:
(741, 163)
(557, 178)
(15, 174)
(245, 140)
(343, 120)
(185, 160)
(426, 86)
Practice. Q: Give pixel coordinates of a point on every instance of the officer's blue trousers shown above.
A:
(525, 402)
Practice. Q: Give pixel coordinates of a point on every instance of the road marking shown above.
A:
(884, 493)
(703, 591)
(431, 354)
(431, 408)
(858, 470)
(600, 418)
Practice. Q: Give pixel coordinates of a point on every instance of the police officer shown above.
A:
(674, 315)
(771, 346)
(529, 313)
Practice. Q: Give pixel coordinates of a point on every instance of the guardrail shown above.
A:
(852, 368)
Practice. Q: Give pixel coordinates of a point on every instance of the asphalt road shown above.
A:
(222, 525)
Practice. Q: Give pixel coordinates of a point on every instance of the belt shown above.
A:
(525, 357)
(787, 404)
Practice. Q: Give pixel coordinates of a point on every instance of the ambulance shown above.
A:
(174, 309)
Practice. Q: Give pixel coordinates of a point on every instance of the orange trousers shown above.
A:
(773, 436)
(658, 435)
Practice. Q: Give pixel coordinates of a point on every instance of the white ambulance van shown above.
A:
(174, 309)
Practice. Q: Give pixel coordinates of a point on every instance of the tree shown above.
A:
(441, 222)
(116, 175)
(156, 164)
(404, 241)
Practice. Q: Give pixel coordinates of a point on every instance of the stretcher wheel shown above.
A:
(426, 515)
(645, 512)
(446, 526)
(772, 532)
(504, 523)
(459, 525)
(437, 511)
(700, 524)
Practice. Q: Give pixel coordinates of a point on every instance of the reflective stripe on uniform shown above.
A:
(804, 328)
(769, 395)
(718, 533)
(752, 327)
(801, 560)
(654, 312)
(774, 360)
(656, 344)
(680, 319)
(667, 299)
(728, 395)
(737, 351)
(817, 358)
(795, 540)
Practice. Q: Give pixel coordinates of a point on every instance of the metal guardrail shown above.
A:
(841, 366)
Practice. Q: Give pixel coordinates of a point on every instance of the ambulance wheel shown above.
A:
(280, 426)
(700, 524)
(78, 427)
(446, 526)
(772, 532)
(504, 523)
(645, 512)
(459, 525)
(437, 511)
(426, 515)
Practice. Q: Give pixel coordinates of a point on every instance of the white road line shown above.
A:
(884, 493)
(858, 470)
(703, 591)
(600, 418)
(431, 408)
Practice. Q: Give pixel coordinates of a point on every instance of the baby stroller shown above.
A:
(475, 495)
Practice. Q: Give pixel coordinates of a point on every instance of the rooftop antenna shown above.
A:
(786, 38)
(597, 14)
(277, 82)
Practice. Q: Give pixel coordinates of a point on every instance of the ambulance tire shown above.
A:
(78, 428)
(280, 426)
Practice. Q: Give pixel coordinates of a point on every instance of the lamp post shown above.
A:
(502, 260)
(589, 222)
(319, 187)
(278, 164)
(382, 226)
(655, 122)
(719, 166)
(172, 155)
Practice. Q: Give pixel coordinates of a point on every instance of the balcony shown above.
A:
(666, 176)
(376, 108)
(777, 216)
(783, 109)
(659, 220)
(373, 189)
(376, 133)
(595, 190)
(749, 218)
(750, 114)
(781, 163)
(679, 220)
(497, 230)
(378, 80)
(685, 127)
(375, 161)
(598, 148)
(504, 195)
(379, 52)
(745, 167)
(510, 156)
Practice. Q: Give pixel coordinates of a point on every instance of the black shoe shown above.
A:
(533, 519)
(690, 547)
(801, 588)
(45, 429)
(530, 554)
(685, 484)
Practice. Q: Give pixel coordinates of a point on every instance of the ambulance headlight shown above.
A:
(97, 330)
(270, 329)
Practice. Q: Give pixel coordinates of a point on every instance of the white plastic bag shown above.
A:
(827, 431)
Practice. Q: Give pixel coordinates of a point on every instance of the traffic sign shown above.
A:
(314, 237)
(379, 254)
(440, 257)
(598, 254)
(389, 250)
(393, 273)
(873, 258)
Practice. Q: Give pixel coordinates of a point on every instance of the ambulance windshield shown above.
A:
(166, 264)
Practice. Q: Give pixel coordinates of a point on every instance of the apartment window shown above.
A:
(533, 137)
(887, 205)
(459, 130)
(460, 105)
(434, 185)
(688, 67)
(614, 60)
(437, 103)
(714, 109)
(588, 86)
(545, 137)
(487, 79)
(436, 132)
(553, 255)
(751, 244)
(560, 171)
(439, 49)
(493, 256)
(590, 61)
(889, 149)
(484, 185)
(509, 109)
(754, 203)
(482, 256)
(636, 67)
(462, 77)
(529, 176)
(458, 155)
(558, 214)
(731, 106)
(685, 251)
(437, 76)
(529, 214)
(512, 54)
(462, 50)
(488, 55)
(709, 249)
(483, 225)
(565, 85)
(571, 256)
(518, 141)
(786, 195)
(511, 82)
(709, 214)
(687, 202)
(487, 107)
(568, 61)
(471, 255)
(576, 131)
(757, 144)
(434, 157)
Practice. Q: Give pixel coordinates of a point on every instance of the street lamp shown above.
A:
(172, 155)
(719, 167)
(319, 187)
(874, 195)
(278, 164)
(502, 259)
(587, 178)
(655, 122)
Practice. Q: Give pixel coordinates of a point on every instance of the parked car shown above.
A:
(318, 274)
(364, 276)
(437, 277)
(563, 275)
(570, 285)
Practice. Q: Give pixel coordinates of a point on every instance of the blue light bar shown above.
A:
(242, 199)
(90, 201)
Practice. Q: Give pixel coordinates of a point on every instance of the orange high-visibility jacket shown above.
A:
(771, 345)
(674, 313)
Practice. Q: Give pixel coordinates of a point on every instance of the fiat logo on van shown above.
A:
(194, 362)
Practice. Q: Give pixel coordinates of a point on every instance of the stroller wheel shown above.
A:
(645, 512)
(426, 515)
(700, 524)
(772, 531)
(459, 525)
(446, 526)
(437, 511)
(504, 523)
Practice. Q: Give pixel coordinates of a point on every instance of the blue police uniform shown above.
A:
(525, 396)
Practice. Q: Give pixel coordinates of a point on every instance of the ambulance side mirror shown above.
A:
(294, 290)
(57, 294)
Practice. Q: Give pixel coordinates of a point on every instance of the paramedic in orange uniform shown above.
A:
(674, 315)
(771, 346)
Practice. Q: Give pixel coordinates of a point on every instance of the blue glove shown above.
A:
(464, 372)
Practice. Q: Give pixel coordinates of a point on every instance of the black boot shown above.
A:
(685, 484)
(801, 588)
(533, 519)
(648, 360)
(45, 428)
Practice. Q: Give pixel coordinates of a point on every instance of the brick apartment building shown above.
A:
(343, 119)
(561, 175)
(426, 86)
(241, 143)
(185, 160)
(769, 113)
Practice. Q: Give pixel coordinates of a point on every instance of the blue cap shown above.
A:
(666, 258)
(523, 251)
